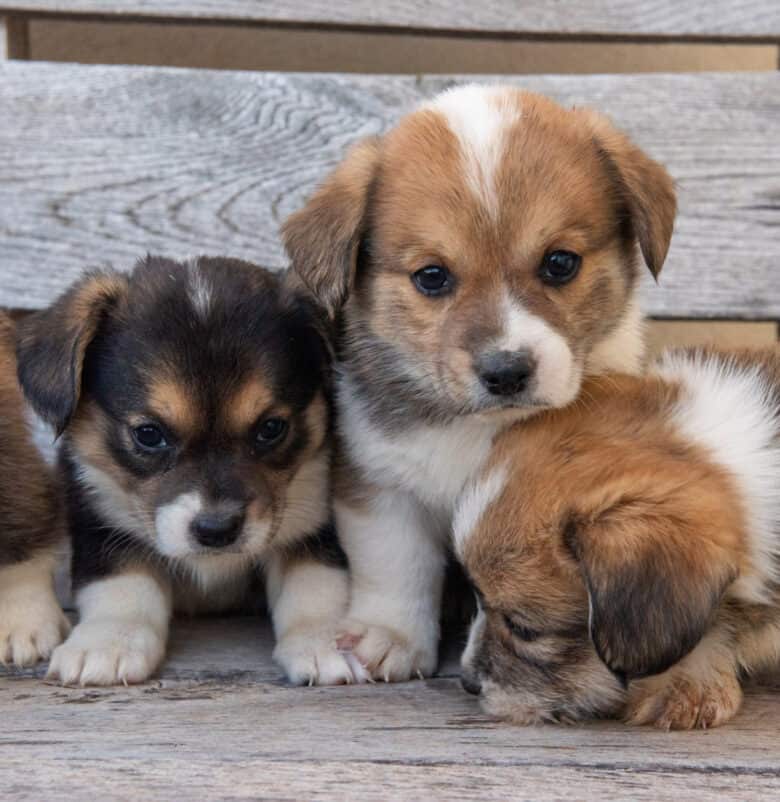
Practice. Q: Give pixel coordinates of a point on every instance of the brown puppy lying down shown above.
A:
(625, 550)
(31, 621)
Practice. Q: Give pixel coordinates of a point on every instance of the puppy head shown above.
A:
(192, 397)
(573, 606)
(485, 248)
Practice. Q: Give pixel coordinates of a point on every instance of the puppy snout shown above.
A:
(470, 684)
(217, 529)
(505, 373)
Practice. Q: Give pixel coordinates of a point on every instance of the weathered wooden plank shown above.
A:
(14, 38)
(221, 723)
(627, 18)
(99, 164)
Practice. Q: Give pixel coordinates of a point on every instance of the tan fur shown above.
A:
(605, 506)
(170, 402)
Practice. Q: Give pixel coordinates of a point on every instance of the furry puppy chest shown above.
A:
(626, 550)
(481, 259)
(31, 528)
(192, 398)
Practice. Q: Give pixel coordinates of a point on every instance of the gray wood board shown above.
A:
(626, 18)
(220, 723)
(100, 164)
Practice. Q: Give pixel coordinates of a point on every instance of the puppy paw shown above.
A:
(682, 702)
(309, 656)
(32, 624)
(387, 654)
(108, 651)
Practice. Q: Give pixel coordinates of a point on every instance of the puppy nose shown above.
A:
(215, 530)
(471, 684)
(505, 372)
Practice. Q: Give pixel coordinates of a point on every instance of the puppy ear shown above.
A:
(51, 345)
(654, 585)
(323, 238)
(645, 187)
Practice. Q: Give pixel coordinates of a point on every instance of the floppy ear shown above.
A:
(51, 345)
(323, 238)
(645, 187)
(654, 585)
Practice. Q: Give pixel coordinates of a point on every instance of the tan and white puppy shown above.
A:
(481, 259)
(32, 528)
(626, 549)
(193, 402)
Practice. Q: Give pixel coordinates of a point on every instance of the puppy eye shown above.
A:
(433, 280)
(149, 437)
(520, 631)
(559, 267)
(271, 431)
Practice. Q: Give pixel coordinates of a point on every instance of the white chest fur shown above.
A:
(431, 462)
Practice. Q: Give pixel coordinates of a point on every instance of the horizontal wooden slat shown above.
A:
(220, 724)
(100, 164)
(759, 19)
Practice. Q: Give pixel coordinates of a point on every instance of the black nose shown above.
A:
(215, 530)
(470, 684)
(505, 372)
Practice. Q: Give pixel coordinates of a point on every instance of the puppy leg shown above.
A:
(308, 598)
(31, 620)
(699, 692)
(397, 570)
(122, 631)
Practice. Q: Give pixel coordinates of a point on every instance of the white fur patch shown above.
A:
(433, 463)
(473, 503)
(199, 288)
(557, 376)
(396, 566)
(172, 523)
(121, 635)
(729, 409)
(31, 621)
(308, 600)
(480, 117)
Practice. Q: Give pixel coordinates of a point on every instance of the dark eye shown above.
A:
(433, 280)
(520, 631)
(270, 431)
(559, 267)
(150, 437)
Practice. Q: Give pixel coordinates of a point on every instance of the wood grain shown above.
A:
(757, 20)
(100, 164)
(220, 723)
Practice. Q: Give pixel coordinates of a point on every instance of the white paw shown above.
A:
(387, 654)
(309, 656)
(32, 624)
(108, 651)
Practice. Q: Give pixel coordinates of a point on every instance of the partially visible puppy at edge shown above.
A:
(31, 528)
(480, 259)
(626, 550)
(192, 398)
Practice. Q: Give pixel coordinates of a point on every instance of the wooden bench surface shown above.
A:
(100, 164)
(758, 20)
(220, 723)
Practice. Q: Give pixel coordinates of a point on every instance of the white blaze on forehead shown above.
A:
(199, 288)
(557, 377)
(473, 503)
(173, 524)
(480, 117)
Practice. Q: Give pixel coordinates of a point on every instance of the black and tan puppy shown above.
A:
(31, 530)
(192, 398)
(626, 550)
